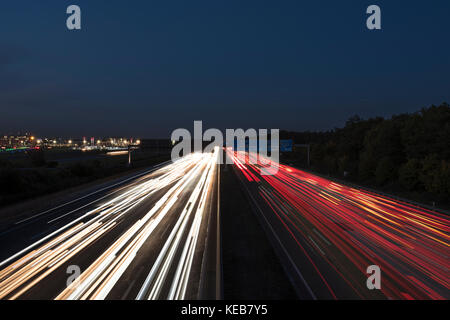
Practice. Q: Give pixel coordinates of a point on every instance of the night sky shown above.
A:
(144, 68)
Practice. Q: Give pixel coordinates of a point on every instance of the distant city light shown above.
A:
(26, 140)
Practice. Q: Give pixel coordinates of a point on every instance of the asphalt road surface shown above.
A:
(157, 236)
(328, 234)
(143, 239)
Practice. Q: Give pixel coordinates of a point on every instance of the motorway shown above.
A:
(327, 234)
(157, 235)
(145, 238)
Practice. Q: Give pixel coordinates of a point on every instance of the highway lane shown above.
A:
(27, 227)
(327, 234)
(145, 240)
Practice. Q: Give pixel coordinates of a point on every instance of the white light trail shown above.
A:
(34, 263)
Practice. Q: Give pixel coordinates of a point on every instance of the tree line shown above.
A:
(409, 153)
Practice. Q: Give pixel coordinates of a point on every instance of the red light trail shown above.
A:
(340, 231)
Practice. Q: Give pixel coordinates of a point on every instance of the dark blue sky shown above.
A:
(144, 68)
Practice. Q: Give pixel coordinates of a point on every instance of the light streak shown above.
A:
(342, 230)
(34, 264)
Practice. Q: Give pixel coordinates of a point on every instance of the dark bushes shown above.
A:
(408, 152)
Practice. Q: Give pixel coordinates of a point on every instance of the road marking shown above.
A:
(280, 243)
(322, 237)
(135, 276)
(317, 246)
(43, 239)
(92, 193)
(218, 243)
